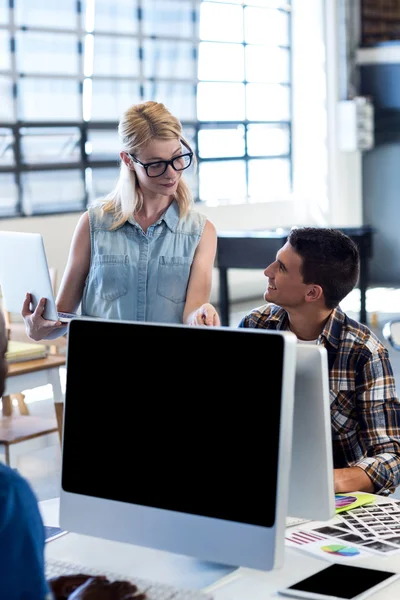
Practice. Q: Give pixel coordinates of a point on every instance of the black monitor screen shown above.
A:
(175, 417)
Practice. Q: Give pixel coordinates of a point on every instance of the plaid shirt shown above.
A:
(365, 409)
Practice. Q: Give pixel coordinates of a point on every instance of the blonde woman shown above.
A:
(142, 253)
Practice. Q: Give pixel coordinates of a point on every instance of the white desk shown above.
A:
(33, 373)
(243, 584)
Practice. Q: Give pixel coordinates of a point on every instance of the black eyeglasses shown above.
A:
(155, 169)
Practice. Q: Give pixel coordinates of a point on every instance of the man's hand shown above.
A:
(98, 588)
(352, 479)
(63, 586)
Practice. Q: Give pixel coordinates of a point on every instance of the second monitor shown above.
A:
(311, 488)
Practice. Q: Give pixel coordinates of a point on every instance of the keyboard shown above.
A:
(292, 521)
(154, 590)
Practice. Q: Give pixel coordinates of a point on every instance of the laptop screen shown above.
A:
(174, 417)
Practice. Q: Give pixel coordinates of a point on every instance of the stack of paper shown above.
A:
(20, 351)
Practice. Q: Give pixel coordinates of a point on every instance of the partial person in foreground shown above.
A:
(312, 273)
(142, 253)
(22, 541)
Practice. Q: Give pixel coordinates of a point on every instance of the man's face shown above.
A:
(285, 281)
(3, 349)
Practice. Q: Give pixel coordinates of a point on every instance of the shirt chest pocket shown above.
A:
(173, 276)
(343, 399)
(110, 273)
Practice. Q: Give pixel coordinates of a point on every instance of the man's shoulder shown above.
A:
(363, 336)
(263, 316)
(12, 484)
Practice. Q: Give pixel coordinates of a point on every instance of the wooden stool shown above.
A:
(27, 375)
(19, 428)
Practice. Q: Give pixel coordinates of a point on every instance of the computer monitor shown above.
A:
(179, 438)
(311, 490)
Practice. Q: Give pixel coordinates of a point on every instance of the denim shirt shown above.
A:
(138, 276)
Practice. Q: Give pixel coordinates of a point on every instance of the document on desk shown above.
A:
(373, 528)
(345, 502)
(325, 547)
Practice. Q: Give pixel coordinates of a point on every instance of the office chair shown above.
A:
(391, 333)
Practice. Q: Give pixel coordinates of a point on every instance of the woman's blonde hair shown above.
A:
(140, 124)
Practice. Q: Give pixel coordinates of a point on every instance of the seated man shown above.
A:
(22, 575)
(311, 275)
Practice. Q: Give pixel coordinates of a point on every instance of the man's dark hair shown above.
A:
(330, 259)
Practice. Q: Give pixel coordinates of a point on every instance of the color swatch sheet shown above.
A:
(344, 502)
(372, 528)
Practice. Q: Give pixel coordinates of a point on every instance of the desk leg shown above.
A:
(54, 379)
(223, 295)
(59, 409)
(363, 285)
(7, 406)
(23, 409)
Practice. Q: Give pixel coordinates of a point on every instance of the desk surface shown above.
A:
(38, 364)
(180, 570)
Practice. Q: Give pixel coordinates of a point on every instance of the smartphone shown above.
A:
(340, 582)
(51, 533)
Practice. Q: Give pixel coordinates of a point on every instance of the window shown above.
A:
(69, 70)
(244, 101)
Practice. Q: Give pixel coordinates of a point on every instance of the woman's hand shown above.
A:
(205, 315)
(38, 328)
(98, 588)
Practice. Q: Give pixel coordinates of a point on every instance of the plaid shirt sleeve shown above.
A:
(379, 418)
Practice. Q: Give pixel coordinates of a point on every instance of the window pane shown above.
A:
(268, 179)
(189, 133)
(49, 100)
(46, 13)
(5, 55)
(50, 145)
(6, 95)
(179, 98)
(264, 140)
(263, 25)
(228, 1)
(52, 191)
(47, 53)
(268, 3)
(101, 182)
(112, 98)
(116, 16)
(161, 58)
(223, 182)
(220, 102)
(220, 22)
(6, 147)
(217, 143)
(171, 18)
(115, 56)
(103, 145)
(9, 194)
(274, 61)
(221, 62)
(267, 102)
(4, 14)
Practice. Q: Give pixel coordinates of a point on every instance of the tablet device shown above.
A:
(341, 582)
(23, 269)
